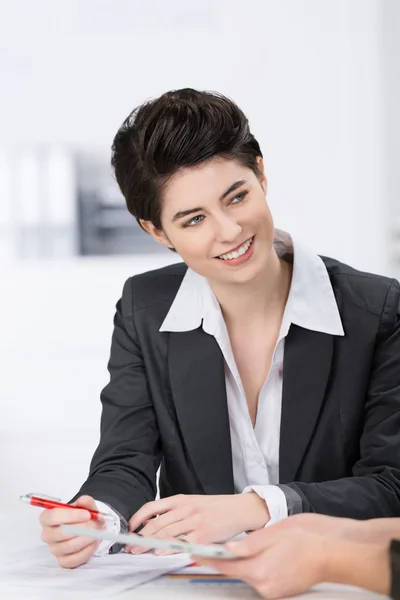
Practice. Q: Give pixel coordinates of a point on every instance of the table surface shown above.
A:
(21, 530)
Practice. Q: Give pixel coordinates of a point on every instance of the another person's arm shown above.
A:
(372, 530)
(291, 557)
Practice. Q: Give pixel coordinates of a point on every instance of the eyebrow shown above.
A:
(185, 213)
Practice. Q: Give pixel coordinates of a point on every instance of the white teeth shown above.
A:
(237, 252)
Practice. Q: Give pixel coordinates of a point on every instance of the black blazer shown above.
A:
(166, 402)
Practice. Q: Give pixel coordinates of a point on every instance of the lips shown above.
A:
(235, 253)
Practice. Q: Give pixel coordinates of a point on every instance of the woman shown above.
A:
(254, 366)
(306, 549)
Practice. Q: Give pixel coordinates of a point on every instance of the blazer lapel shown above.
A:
(197, 376)
(306, 368)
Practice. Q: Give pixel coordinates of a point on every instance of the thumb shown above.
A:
(86, 502)
(89, 503)
(253, 544)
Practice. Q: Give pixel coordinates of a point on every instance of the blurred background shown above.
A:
(319, 81)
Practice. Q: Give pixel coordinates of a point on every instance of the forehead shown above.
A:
(206, 182)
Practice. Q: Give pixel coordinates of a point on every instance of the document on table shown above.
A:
(110, 574)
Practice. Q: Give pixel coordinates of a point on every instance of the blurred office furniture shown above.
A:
(58, 202)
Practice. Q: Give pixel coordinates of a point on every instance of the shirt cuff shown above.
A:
(293, 499)
(111, 526)
(275, 499)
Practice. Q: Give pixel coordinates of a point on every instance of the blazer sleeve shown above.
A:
(374, 489)
(123, 468)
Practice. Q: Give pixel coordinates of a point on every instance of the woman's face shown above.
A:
(216, 217)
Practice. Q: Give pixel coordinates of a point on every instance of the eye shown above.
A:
(238, 198)
(194, 221)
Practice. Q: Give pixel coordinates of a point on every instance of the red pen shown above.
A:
(43, 501)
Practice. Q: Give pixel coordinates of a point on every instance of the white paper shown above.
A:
(39, 571)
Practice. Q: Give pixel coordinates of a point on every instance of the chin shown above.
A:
(242, 276)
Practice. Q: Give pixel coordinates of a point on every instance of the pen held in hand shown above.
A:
(48, 502)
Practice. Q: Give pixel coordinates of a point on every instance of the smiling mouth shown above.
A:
(238, 252)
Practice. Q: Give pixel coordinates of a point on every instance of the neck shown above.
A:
(260, 297)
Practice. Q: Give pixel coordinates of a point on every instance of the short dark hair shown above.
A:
(181, 128)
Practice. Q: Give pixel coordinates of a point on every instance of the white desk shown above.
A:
(22, 524)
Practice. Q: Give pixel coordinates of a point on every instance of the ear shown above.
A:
(157, 234)
(262, 177)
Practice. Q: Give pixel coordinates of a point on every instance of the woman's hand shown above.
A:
(200, 519)
(70, 551)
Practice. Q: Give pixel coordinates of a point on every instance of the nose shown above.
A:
(227, 229)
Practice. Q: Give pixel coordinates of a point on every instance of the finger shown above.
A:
(56, 534)
(196, 536)
(56, 516)
(190, 538)
(171, 518)
(86, 502)
(72, 546)
(239, 569)
(175, 530)
(160, 552)
(252, 544)
(53, 535)
(227, 567)
(89, 503)
(153, 526)
(167, 552)
(137, 549)
(70, 561)
(151, 509)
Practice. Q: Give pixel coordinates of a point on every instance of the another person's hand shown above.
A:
(276, 563)
(70, 551)
(200, 519)
(284, 559)
(336, 527)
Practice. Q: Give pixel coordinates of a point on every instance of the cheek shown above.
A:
(256, 209)
(264, 216)
(193, 244)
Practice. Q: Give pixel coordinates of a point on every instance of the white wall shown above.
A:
(307, 73)
(55, 324)
(391, 98)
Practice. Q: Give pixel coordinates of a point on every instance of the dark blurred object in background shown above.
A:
(58, 202)
(104, 224)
